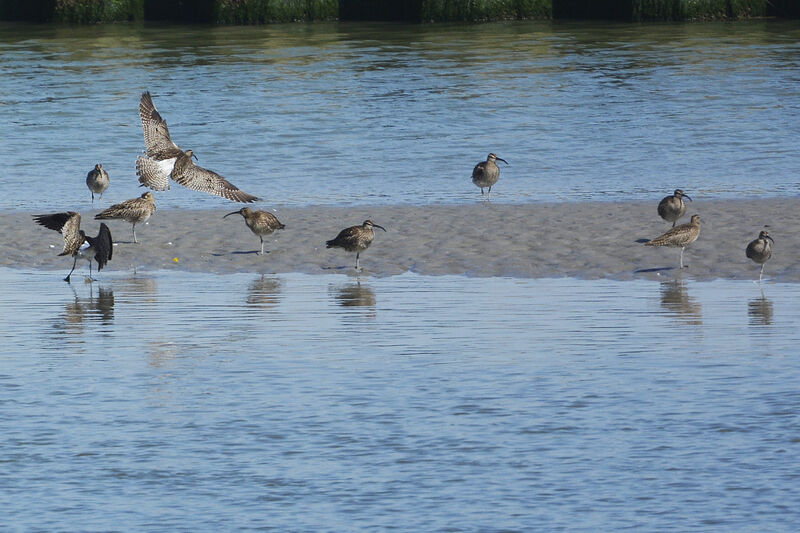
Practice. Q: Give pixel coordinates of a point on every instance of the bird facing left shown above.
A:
(76, 242)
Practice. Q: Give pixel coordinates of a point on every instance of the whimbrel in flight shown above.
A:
(355, 238)
(682, 236)
(167, 160)
(672, 207)
(135, 211)
(97, 181)
(760, 250)
(486, 173)
(262, 223)
(76, 242)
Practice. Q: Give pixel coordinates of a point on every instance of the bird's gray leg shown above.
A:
(262, 244)
(481, 191)
(134, 233)
(674, 222)
(92, 198)
(489, 194)
(682, 249)
(357, 254)
(761, 273)
(73, 268)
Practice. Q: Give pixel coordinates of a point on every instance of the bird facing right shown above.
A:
(355, 238)
(135, 211)
(97, 181)
(760, 250)
(672, 207)
(679, 236)
(76, 242)
(260, 222)
(486, 173)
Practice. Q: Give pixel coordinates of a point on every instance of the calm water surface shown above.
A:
(326, 403)
(339, 114)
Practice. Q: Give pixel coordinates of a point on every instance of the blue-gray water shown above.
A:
(392, 114)
(177, 401)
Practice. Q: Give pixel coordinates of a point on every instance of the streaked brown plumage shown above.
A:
(135, 211)
(165, 160)
(486, 173)
(260, 222)
(673, 207)
(355, 238)
(760, 250)
(679, 236)
(76, 242)
(97, 181)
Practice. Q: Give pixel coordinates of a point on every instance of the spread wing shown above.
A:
(153, 173)
(200, 179)
(67, 224)
(103, 246)
(156, 134)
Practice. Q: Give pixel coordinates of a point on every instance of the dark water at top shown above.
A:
(387, 114)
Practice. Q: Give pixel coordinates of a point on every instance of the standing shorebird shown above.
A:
(760, 250)
(355, 238)
(260, 222)
(486, 173)
(135, 211)
(672, 207)
(167, 160)
(682, 236)
(97, 181)
(76, 242)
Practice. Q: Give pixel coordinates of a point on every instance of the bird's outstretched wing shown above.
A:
(201, 179)
(156, 134)
(67, 224)
(153, 173)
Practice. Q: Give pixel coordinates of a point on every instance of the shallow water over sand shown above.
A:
(196, 401)
(342, 114)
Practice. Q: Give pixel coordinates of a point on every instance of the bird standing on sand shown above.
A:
(672, 207)
(135, 211)
(760, 250)
(355, 238)
(97, 181)
(167, 160)
(486, 173)
(682, 236)
(76, 242)
(260, 222)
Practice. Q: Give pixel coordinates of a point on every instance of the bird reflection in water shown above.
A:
(97, 307)
(358, 295)
(675, 299)
(760, 311)
(264, 292)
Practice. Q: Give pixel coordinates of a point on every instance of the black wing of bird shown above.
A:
(103, 246)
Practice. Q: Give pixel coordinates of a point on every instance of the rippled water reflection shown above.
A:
(190, 401)
(396, 114)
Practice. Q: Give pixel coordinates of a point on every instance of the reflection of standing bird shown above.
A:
(760, 250)
(76, 242)
(262, 223)
(672, 207)
(135, 211)
(166, 160)
(486, 173)
(97, 181)
(682, 236)
(355, 238)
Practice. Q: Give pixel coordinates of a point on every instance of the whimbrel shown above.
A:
(135, 211)
(97, 181)
(486, 173)
(682, 236)
(760, 250)
(355, 238)
(76, 242)
(262, 223)
(672, 207)
(167, 160)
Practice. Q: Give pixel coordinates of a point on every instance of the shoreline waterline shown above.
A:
(590, 240)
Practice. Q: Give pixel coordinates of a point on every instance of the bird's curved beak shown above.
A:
(501, 159)
(234, 213)
(377, 226)
(195, 157)
(687, 197)
(770, 238)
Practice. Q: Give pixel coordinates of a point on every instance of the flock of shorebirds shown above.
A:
(164, 160)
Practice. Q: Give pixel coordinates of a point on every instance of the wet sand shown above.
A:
(582, 240)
